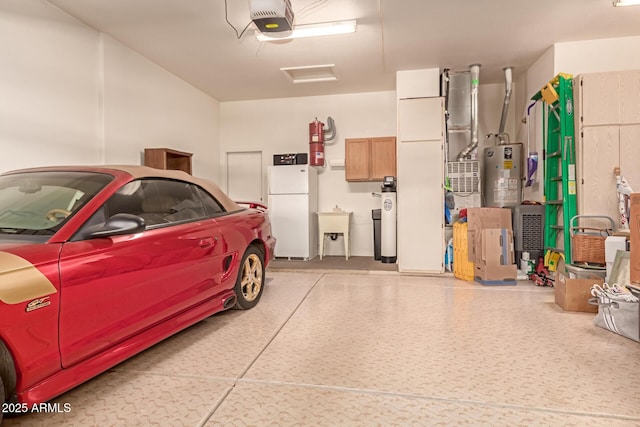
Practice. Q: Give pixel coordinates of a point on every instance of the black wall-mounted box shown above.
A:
(290, 159)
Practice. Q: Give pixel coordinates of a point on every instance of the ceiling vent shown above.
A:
(311, 74)
(273, 17)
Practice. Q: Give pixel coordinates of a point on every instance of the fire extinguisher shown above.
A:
(316, 143)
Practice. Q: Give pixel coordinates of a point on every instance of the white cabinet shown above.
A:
(419, 119)
(607, 135)
(418, 83)
(420, 195)
(599, 152)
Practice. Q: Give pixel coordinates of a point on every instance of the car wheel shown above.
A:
(250, 280)
(7, 376)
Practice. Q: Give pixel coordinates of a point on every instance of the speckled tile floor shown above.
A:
(359, 349)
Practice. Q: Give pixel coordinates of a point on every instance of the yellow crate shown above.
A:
(462, 267)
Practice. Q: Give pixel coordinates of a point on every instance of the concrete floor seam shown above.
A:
(250, 364)
(173, 375)
(217, 404)
(440, 399)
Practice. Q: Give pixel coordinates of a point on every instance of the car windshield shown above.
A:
(38, 203)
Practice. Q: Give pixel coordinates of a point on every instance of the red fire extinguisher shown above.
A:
(316, 143)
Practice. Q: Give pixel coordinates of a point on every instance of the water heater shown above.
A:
(502, 182)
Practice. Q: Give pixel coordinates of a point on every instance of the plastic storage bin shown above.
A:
(462, 267)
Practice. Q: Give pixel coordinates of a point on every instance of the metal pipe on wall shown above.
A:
(508, 79)
(475, 81)
(330, 132)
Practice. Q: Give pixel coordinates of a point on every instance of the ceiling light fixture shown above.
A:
(618, 3)
(312, 30)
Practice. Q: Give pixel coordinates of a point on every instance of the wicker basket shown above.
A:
(587, 243)
(588, 249)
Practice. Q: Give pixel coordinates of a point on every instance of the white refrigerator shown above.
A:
(293, 203)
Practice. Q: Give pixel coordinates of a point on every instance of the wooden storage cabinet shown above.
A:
(370, 159)
(607, 135)
(421, 237)
(166, 158)
(357, 159)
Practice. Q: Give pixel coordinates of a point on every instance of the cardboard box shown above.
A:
(634, 225)
(484, 218)
(573, 294)
(496, 246)
(495, 274)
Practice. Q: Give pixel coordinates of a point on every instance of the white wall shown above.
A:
(594, 56)
(282, 126)
(71, 95)
(538, 75)
(48, 87)
(147, 107)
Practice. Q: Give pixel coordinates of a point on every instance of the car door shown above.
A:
(112, 288)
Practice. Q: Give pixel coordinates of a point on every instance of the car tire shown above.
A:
(250, 282)
(7, 373)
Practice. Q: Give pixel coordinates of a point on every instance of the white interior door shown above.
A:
(245, 176)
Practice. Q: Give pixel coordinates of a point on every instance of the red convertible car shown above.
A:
(100, 263)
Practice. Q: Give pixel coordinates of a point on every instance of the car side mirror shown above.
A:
(120, 224)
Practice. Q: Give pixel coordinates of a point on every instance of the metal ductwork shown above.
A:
(505, 105)
(475, 80)
(330, 131)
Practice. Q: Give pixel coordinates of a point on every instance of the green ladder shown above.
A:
(559, 166)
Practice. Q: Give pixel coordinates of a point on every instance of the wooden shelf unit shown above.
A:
(166, 158)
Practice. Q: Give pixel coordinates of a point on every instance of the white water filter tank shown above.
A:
(388, 217)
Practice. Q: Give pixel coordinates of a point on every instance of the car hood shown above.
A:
(7, 244)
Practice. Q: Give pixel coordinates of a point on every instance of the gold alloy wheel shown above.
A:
(251, 277)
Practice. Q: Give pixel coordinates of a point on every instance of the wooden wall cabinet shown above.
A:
(370, 159)
(166, 158)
